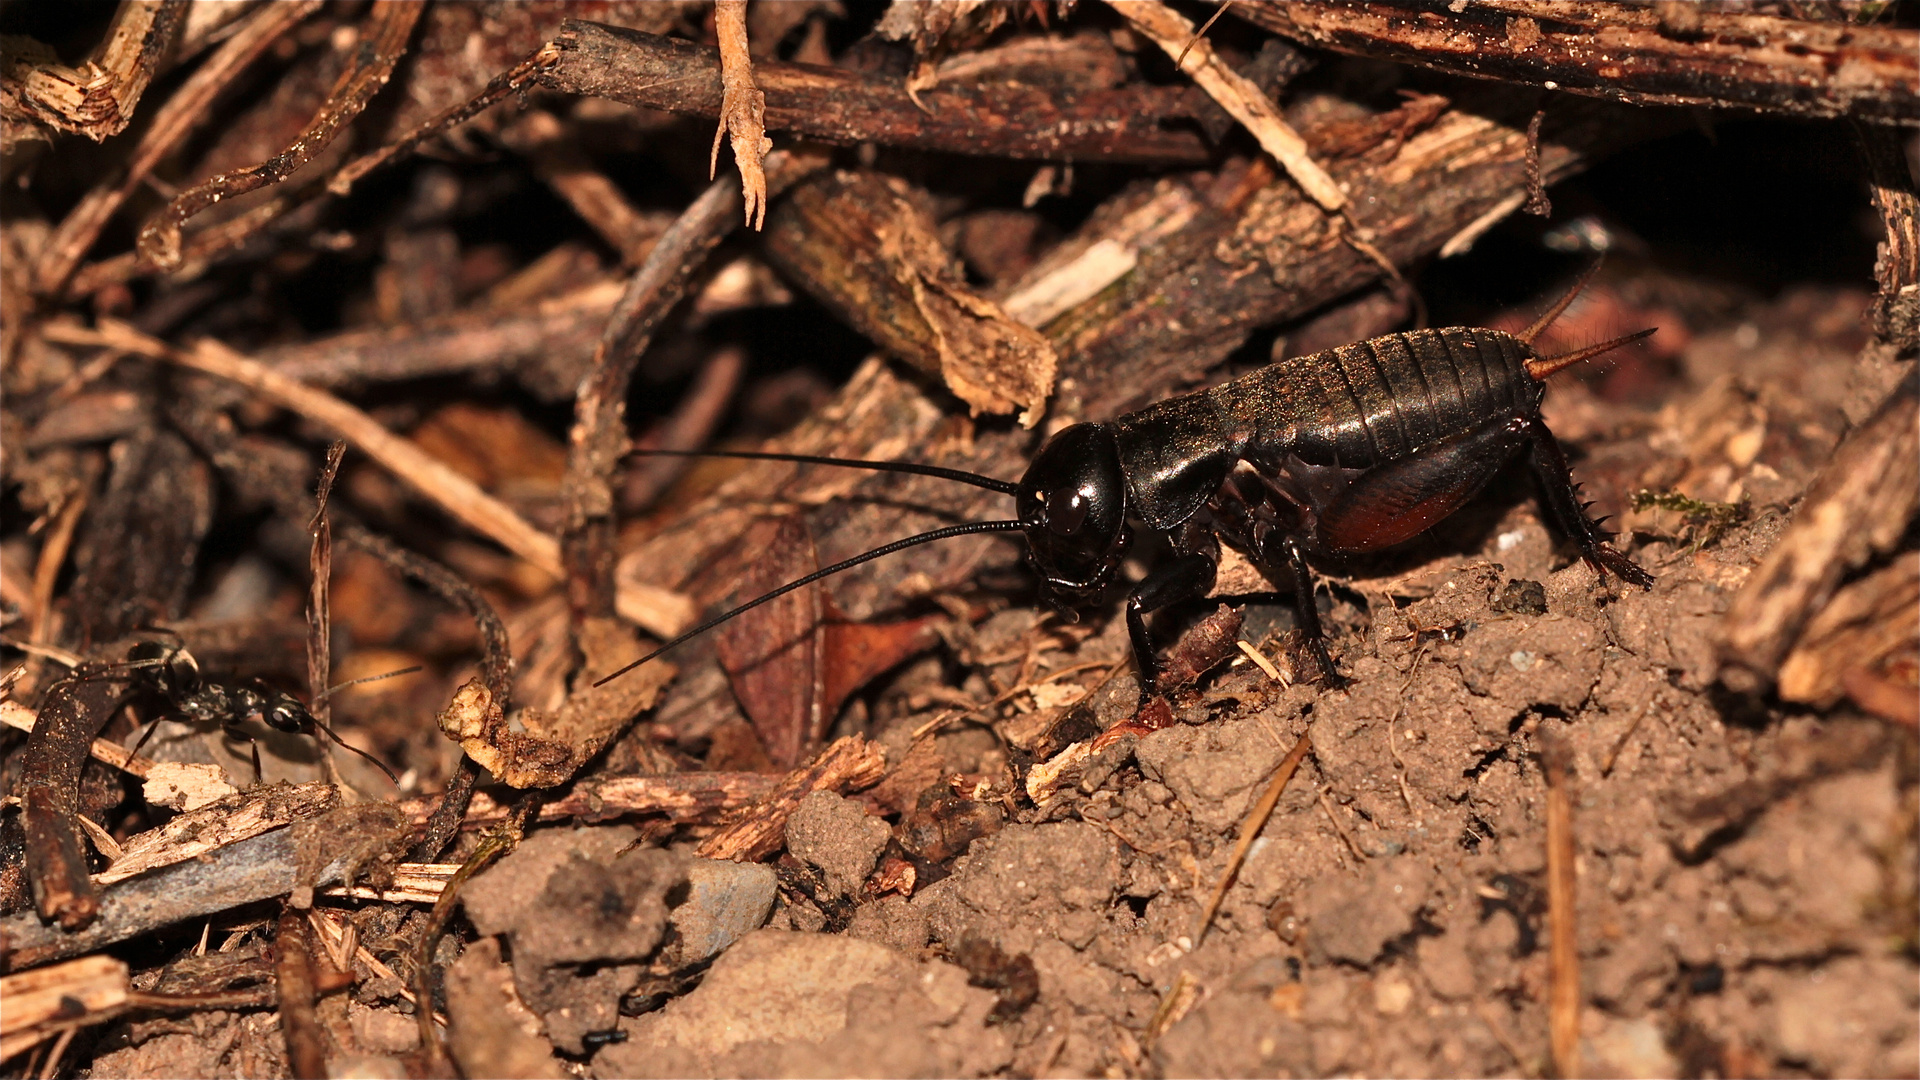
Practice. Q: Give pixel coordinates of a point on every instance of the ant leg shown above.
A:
(1307, 611)
(233, 731)
(1177, 579)
(152, 726)
(163, 631)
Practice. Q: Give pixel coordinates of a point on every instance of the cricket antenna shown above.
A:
(960, 476)
(967, 529)
(1542, 367)
(1560, 305)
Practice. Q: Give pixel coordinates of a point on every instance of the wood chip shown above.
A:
(849, 764)
(228, 821)
(46, 1001)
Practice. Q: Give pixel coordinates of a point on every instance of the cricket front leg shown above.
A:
(1306, 611)
(1183, 577)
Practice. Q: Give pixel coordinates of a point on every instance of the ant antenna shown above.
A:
(377, 763)
(967, 529)
(960, 476)
(337, 687)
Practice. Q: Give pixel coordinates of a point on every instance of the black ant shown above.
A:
(173, 673)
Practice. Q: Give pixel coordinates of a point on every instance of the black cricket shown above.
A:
(1349, 450)
(171, 672)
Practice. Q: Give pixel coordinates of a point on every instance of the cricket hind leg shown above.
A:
(1562, 497)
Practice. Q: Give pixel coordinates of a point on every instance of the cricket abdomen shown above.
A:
(1364, 405)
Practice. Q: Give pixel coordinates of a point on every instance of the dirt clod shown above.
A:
(837, 835)
(781, 1003)
(1352, 919)
(581, 912)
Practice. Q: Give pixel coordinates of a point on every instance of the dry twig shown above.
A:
(1250, 829)
(1630, 52)
(849, 107)
(387, 27)
(1235, 93)
(293, 978)
(743, 111)
(454, 493)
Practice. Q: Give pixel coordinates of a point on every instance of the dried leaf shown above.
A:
(772, 654)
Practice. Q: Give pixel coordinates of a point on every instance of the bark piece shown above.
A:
(238, 874)
(849, 764)
(1895, 317)
(39, 95)
(863, 248)
(1190, 300)
(228, 821)
(49, 796)
(43, 1003)
(1867, 623)
(1630, 52)
(846, 108)
(1857, 507)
